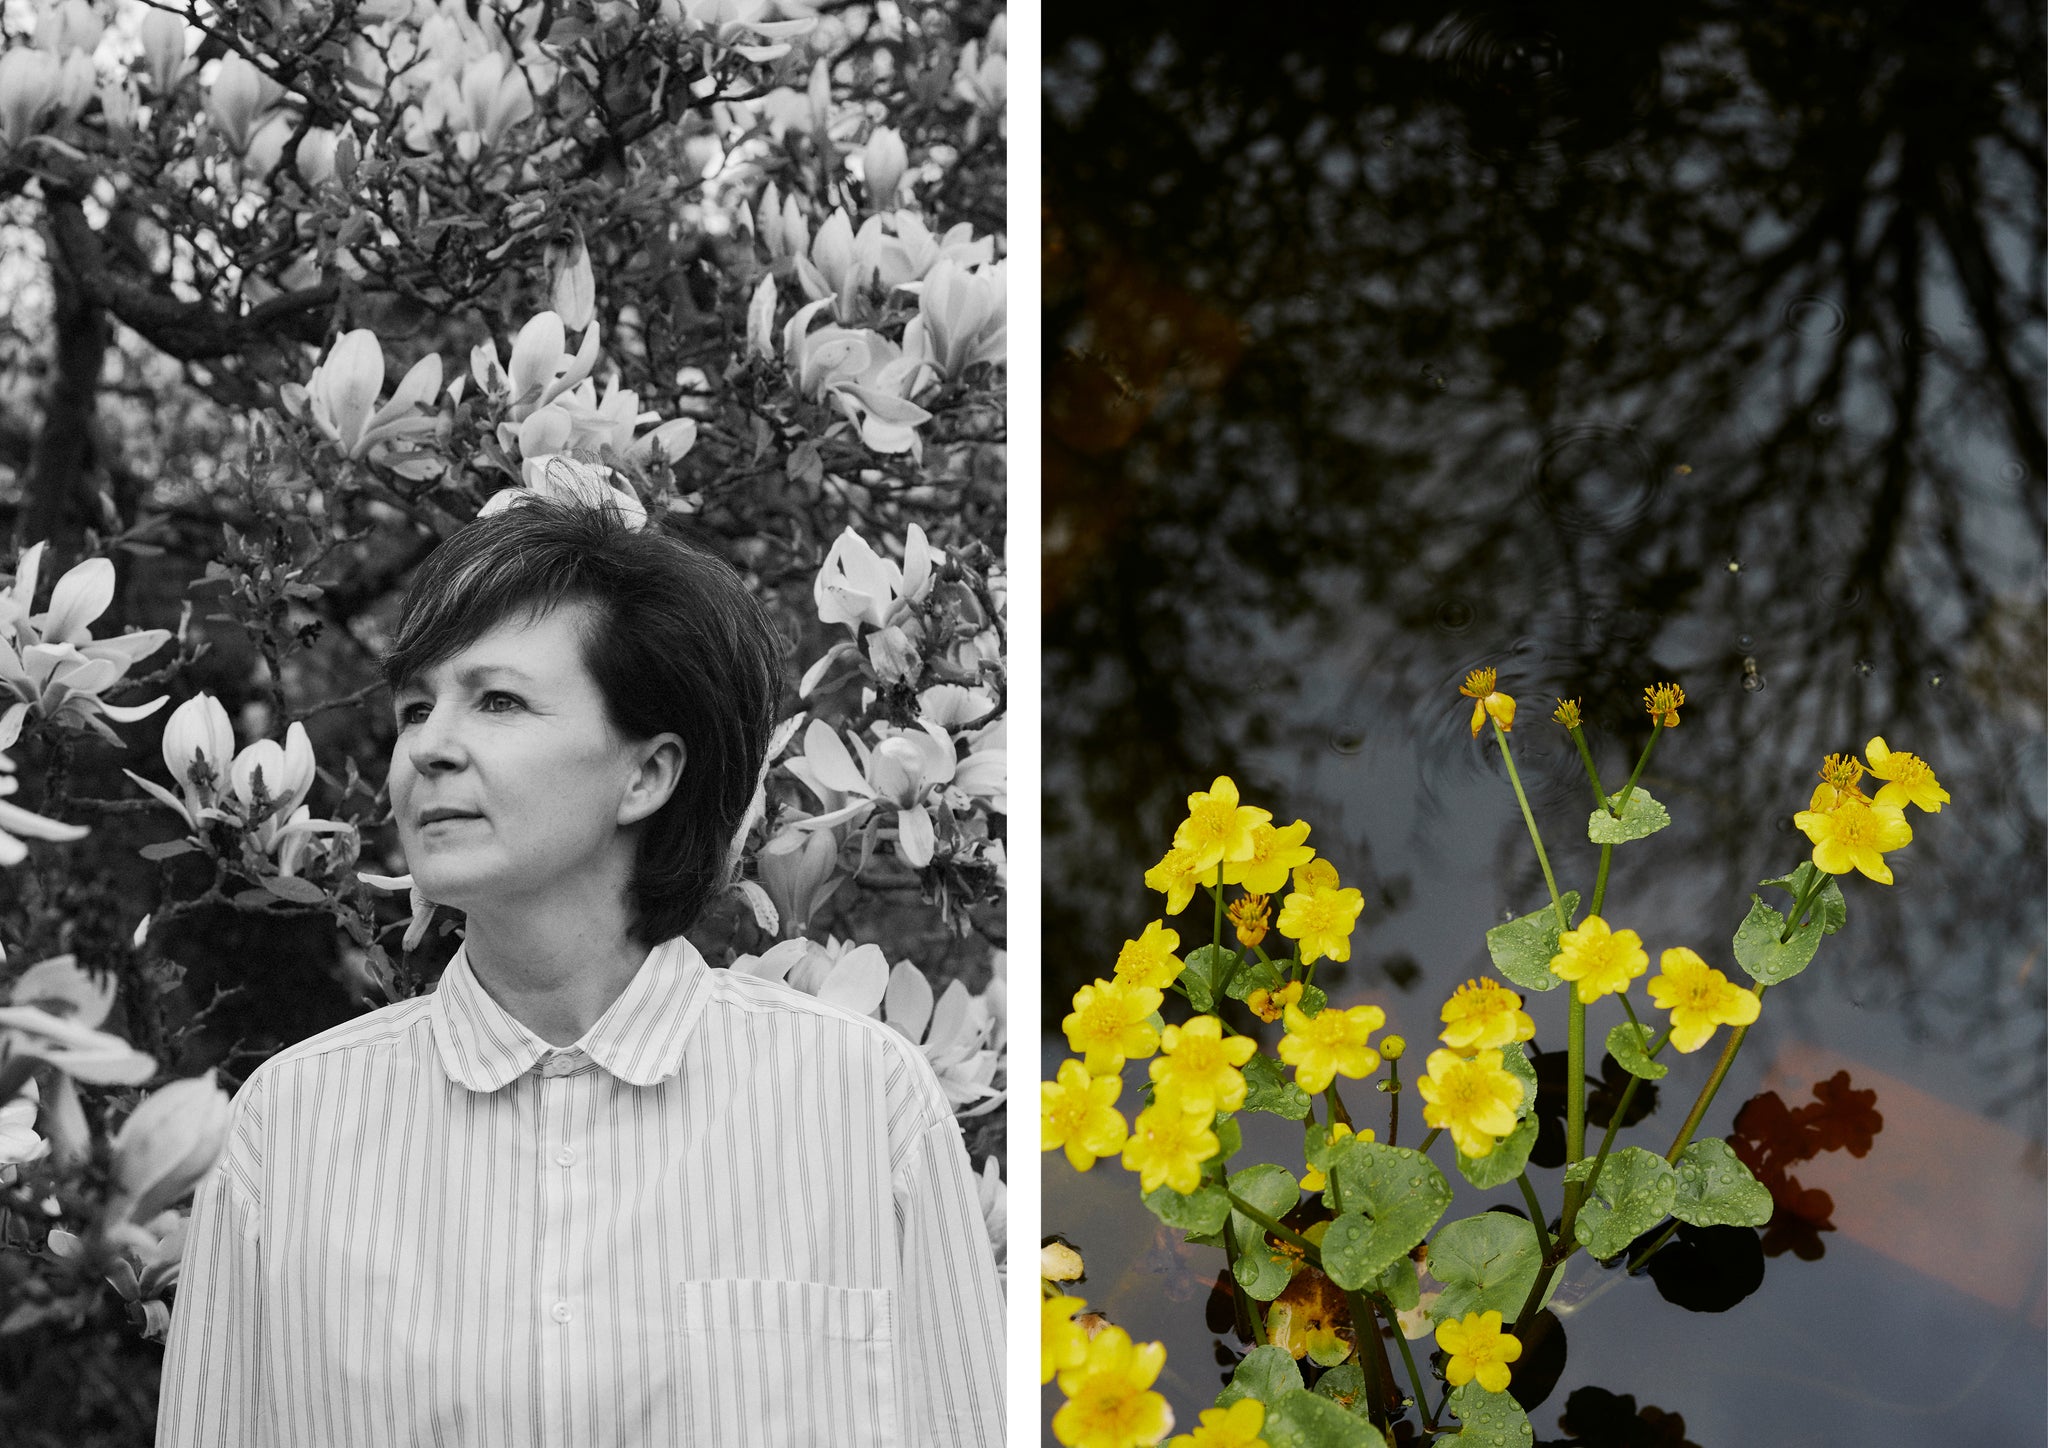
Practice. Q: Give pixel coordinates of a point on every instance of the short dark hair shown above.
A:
(672, 636)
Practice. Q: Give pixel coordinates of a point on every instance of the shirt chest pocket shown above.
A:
(767, 1364)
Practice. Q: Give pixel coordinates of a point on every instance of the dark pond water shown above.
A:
(1601, 344)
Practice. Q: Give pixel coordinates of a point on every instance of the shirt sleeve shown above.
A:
(212, 1391)
(950, 1351)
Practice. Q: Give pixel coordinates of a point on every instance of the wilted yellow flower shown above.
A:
(1200, 1069)
(1490, 701)
(1218, 829)
(1108, 1025)
(1251, 916)
(1268, 1005)
(1602, 961)
(1907, 777)
(1168, 1146)
(1078, 1112)
(1699, 998)
(1482, 1014)
(1276, 849)
(1109, 1402)
(1478, 1349)
(1313, 1180)
(1475, 1099)
(1330, 1043)
(1664, 701)
(1236, 1426)
(1062, 1342)
(1149, 960)
(1567, 713)
(1177, 875)
(1322, 921)
(1854, 835)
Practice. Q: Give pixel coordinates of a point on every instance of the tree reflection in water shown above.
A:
(1601, 343)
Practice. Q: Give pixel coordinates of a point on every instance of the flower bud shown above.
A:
(883, 162)
(1392, 1048)
(575, 291)
(199, 744)
(798, 869)
(163, 49)
(166, 1146)
(28, 87)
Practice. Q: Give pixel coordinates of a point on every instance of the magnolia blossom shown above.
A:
(50, 660)
(883, 162)
(863, 373)
(961, 319)
(166, 1146)
(79, 1051)
(981, 75)
(165, 39)
(29, 81)
(955, 1031)
(851, 976)
(340, 398)
(568, 481)
(727, 21)
(582, 421)
(780, 223)
(141, 1262)
(16, 822)
(858, 586)
(575, 288)
(239, 99)
(799, 872)
(494, 97)
(542, 368)
(59, 988)
(906, 770)
(19, 1144)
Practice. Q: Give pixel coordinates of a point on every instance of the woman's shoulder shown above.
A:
(899, 1061)
(386, 1028)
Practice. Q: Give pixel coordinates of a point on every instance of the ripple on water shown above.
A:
(1454, 616)
(1594, 478)
(1347, 739)
(1838, 589)
(2013, 472)
(1812, 315)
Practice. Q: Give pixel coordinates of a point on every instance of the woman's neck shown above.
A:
(555, 972)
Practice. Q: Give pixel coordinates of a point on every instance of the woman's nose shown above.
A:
(435, 743)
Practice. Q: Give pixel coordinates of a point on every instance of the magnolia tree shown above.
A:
(292, 291)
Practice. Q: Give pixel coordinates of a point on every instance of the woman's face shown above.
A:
(509, 782)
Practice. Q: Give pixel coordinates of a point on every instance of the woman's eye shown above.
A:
(497, 703)
(413, 714)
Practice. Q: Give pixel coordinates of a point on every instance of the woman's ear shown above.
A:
(660, 769)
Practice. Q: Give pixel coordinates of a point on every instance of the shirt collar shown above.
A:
(639, 1039)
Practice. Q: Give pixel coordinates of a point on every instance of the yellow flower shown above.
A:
(1699, 998)
(1062, 1342)
(1478, 1349)
(1330, 1043)
(1168, 1146)
(1907, 777)
(1393, 1048)
(1176, 877)
(1474, 1099)
(1601, 961)
(1839, 774)
(1218, 829)
(1664, 701)
(1478, 686)
(1078, 1112)
(1201, 1070)
(1108, 1025)
(1854, 835)
(1315, 875)
(1236, 1426)
(1109, 1399)
(1275, 851)
(1484, 1013)
(1313, 1180)
(1251, 917)
(1567, 713)
(1149, 960)
(1322, 920)
(1268, 1005)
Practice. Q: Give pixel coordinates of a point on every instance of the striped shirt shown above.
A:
(731, 1214)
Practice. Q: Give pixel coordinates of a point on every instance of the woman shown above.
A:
(588, 1191)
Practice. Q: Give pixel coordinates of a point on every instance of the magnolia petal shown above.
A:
(907, 1004)
(833, 766)
(129, 713)
(859, 981)
(80, 596)
(915, 836)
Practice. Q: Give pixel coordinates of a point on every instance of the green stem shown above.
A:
(1393, 1103)
(1337, 1111)
(1379, 1375)
(1706, 1098)
(1621, 805)
(1535, 1210)
(1309, 1250)
(1408, 1356)
(1529, 818)
(1245, 1304)
(1586, 758)
(1575, 1099)
(1651, 1250)
(1800, 905)
(1430, 1140)
(1600, 883)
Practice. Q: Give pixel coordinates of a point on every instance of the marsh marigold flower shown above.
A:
(1218, 830)
(1062, 1342)
(1078, 1111)
(1251, 916)
(1478, 1349)
(1236, 1426)
(1321, 921)
(1200, 1068)
(1330, 1043)
(1109, 1399)
(1270, 1005)
(1315, 875)
(1149, 960)
(1664, 701)
(1313, 1180)
(1601, 961)
(1489, 701)
(1567, 713)
(1484, 1013)
(1699, 998)
(1276, 849)
(1475, 1099)
(1176, 876)
(1109, 1026)
(1854, 834)
(1168, 1146)
(1907, 778)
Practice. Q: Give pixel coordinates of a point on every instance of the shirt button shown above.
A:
(566, 1156)
(560, 1312)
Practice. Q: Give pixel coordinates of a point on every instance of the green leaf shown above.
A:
(1834, 910)
(1348, 1251)
(1266, 1088)
(1634, 1193)
(1491, 1420)
(1486, 1263)
(1399, 1192)
(1267, 1373)
(295, 890)
(1510, 1155)
(1716, 1190)
(1345, 1386)
(167, 850)
(1201, 1213)
(1230, 1134)
(1399, 1285)
(1205, 969)
(1522, 948)
(1306, 1420)
(1757, 949)
(1629, 1044)
(1516, 1061)
(1260, 1269)
(1643, 817)
(1255, 974)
